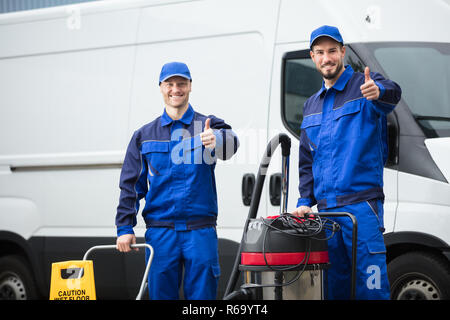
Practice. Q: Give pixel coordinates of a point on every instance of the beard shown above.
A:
(333, 75)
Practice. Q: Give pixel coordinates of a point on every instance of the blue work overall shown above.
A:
(167, 164)
(343, 149)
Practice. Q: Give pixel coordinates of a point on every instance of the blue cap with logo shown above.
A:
(172, 69)
(326, 31)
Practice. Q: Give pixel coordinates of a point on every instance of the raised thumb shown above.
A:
(207, 124)
(367, 74)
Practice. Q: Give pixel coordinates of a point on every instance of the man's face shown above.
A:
(175, 91)
(328, 55)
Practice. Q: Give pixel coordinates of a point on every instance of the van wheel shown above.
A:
(15, 280)
(419, 276)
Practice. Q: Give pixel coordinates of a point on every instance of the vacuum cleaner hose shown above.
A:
(285, 142)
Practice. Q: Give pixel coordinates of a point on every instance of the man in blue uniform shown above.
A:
(170, 161)
(342, 153)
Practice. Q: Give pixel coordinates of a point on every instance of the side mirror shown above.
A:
(392, 137)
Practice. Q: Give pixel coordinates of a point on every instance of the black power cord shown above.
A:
(309, 228)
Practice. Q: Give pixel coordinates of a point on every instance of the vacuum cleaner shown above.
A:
(283, 257)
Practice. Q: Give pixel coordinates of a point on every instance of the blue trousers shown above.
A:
(371, 272)
(196, 251)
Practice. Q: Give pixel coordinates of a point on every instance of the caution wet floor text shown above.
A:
(72, 280)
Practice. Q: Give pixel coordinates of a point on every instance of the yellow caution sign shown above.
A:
(72, 280)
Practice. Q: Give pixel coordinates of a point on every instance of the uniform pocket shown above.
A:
(215, 269)
(347, 120)
(347, 108)
(311, 124)
(376, 207)
(157, 156)
(376, 245)
(193, 150)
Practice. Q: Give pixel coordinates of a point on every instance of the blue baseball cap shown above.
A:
(326, 31)
(173, 69)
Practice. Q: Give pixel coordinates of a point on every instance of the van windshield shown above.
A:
(423, 72)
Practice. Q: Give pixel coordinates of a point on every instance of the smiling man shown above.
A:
(170, 161)
(342, 153)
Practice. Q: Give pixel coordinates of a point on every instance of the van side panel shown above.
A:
(229, 52)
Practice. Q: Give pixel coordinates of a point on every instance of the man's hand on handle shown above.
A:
(301, 211)
(124, 241)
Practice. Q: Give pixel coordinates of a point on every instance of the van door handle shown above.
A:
(248, 184)
(275, 189)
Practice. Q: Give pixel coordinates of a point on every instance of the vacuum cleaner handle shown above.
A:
(147, 268)
(285, 142)
(354, 244)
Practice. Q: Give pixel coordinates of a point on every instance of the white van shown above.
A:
(77, 80)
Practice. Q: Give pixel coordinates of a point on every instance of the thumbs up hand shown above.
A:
(207, 136)
(369, 89)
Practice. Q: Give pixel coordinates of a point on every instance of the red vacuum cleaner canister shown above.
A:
(284, 241)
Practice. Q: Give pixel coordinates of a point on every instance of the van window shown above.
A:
(301, 80)
(14, 5)
(423, 72)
